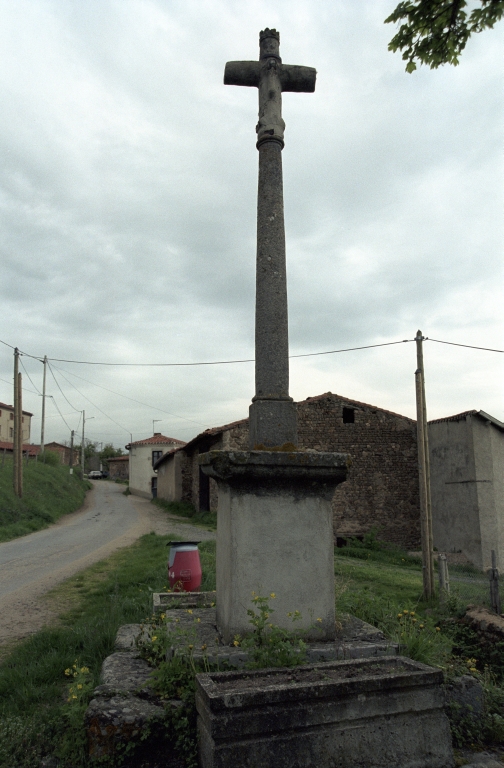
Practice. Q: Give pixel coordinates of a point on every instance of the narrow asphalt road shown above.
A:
(31, 565)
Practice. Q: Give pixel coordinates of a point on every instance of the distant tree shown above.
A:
(109, 452)
(435, 32)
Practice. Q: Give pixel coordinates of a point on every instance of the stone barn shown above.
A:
(382, 489)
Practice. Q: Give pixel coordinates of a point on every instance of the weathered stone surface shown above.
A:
(117, 719)
(274, 535)
(127, 636)
(123, 703)
(385, 713)
(465, 698)
(123, 672)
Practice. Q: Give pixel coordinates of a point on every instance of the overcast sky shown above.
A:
(128, 203)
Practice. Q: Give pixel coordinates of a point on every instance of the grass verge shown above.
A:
(35, 717)
(182, 509)
(48, 493)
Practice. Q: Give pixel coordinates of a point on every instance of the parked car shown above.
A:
(95, 474)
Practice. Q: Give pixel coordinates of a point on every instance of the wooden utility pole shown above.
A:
(17, 440)
(424, 474)
(42, 428)
(82, 442)
(71, 451)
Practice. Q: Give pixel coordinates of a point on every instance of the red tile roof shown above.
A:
(117, 458)
(33, 450)
(157, 440)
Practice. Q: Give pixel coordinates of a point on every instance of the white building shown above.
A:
(143, 454)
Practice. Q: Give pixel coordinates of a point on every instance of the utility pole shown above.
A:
(17, 441)
(424, 474)
(71, 451)
(82, 442)
(43, 406)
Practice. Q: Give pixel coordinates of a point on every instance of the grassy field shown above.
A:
(48, 493)
(36, 719)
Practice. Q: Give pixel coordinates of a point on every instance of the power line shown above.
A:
(139, 402)
(94, 405)
(57, 384)
(31, 382)
(469, 346)
(56, 406)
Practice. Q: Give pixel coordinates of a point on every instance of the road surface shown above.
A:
(33, 564)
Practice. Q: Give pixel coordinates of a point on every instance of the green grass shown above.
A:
(35, 719)
(182, 509)
(48, 493)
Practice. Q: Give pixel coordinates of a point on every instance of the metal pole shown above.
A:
(43, 406)
(15, 427)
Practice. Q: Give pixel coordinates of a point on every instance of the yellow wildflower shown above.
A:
(473, 669)
(189, 610)
(191, 646)
(272, 595)
(399, 615)
(198, 621)
(84, 670)
(79, 687)
(421, 626)
(236, 643)
(204, 647)
(67, 672)
(438, 629)
(319, 620)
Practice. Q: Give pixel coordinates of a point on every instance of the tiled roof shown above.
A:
(157, 440)
(33, 450)
(217, 430)
(11, 408)
(118, 458)
(464, 414)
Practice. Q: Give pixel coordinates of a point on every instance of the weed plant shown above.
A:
(48, 493)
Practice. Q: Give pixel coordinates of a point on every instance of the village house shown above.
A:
(467, 485)
(118, 467)
(7, 424)
(64, 453)
(381, 492)
(143, 454)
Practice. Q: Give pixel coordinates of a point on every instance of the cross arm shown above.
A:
(297, 79)
(243, 73)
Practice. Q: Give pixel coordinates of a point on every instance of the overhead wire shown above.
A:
(133, 400)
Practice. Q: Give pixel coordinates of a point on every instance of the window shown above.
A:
(155, 456)
(348, 415)
(11, 432)
(12, 417)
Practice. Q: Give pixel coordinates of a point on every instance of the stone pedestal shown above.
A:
(275, 535)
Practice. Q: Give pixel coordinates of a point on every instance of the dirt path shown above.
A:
(24, 610)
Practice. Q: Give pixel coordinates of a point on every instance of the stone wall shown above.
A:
(382, 490)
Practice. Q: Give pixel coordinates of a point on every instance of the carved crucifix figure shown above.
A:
(273, 420)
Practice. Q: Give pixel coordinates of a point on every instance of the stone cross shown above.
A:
(273, 420)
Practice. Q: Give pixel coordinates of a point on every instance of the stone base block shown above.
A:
(372, 713)
(272, 423)
(275, 536)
